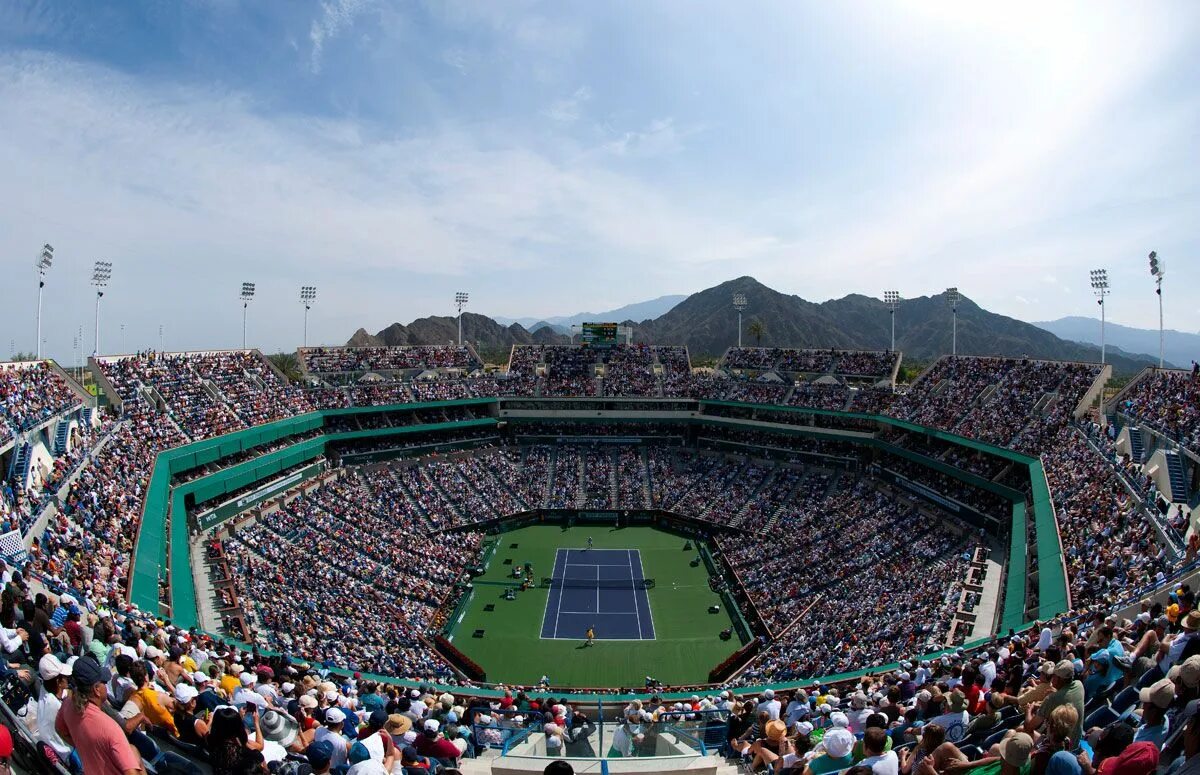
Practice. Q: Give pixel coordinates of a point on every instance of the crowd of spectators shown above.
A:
(1168, 401)
(330, 360)
(313, 568)
(31, 393)
(843, 586)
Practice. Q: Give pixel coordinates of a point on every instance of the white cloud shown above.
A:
(187, 188)
(658, 138)
(336, 15)
(569, 109)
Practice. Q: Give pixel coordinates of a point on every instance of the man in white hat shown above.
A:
(335, 721)
(769, 705)
(55, 676)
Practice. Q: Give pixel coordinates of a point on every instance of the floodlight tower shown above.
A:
(160, 338)
(460, 300)
(247, 295)
(101, 274)
(1100, 288)
(308, 294)
(892, 299)
(1157, 270)
(739, 303)
(45, 259)
(953, 297)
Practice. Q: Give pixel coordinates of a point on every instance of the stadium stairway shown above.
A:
(1177, 477)
(783, 502)
(614, 490)
(61, 433)
(1136, 448)
(647, 490)
(548, 485)
(18, 468)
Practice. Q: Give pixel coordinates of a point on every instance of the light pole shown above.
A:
(739, 303)
(308, 293)
(122, 338)
(1157, 270)
(247, 295)
(892, 299)
(460, 300)
(1100, 288)
(101, 274)
(952, 297)
(45, 260)
(160, 338)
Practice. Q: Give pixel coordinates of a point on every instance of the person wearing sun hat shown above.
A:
(769, 748)
(837, 745)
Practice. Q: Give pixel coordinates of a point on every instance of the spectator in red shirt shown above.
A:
(435, 746)
(83, 724)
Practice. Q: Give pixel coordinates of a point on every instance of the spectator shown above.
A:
(98, 740)
(231, 751)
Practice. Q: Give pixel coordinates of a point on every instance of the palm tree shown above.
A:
(288, 364)
(756, 329)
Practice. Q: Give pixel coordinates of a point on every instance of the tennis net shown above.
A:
(559, 583)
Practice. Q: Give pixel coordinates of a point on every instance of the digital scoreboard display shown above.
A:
(598, 334)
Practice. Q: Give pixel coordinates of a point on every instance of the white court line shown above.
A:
(557, 603)
(649, 610)
(597, 589)
(637, 609)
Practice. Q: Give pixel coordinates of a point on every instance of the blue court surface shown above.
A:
(600, 588)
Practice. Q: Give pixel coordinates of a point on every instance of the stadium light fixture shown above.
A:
(1157, 270)
(892, 299)
(1100, 287)
(460, 300)
(953, 297)
(101, 274)
(308, 294)
(45, 259)
(247, 295)
(739, 303)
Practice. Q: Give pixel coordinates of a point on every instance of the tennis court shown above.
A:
(599, 588)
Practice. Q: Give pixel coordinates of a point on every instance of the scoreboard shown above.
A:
(598, 334)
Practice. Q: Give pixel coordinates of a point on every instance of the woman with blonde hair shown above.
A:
(1057, 737)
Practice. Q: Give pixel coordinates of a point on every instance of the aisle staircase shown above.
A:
(18, 468)
(1177, 477)
(1136, 448)
(647, 488)
(61, 435)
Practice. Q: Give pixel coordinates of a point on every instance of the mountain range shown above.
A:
(642, 310)
(1180, 348)
(707, 323)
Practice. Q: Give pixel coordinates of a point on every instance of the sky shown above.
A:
(551, 158)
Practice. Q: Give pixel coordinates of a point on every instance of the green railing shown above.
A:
(150, 557)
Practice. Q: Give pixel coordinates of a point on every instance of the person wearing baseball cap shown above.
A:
(1155, 699)
(433, 744)
(192, 727)
(335, 720)
(99, 740)
(376, 740)
(55, 677)
(1067, 690)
